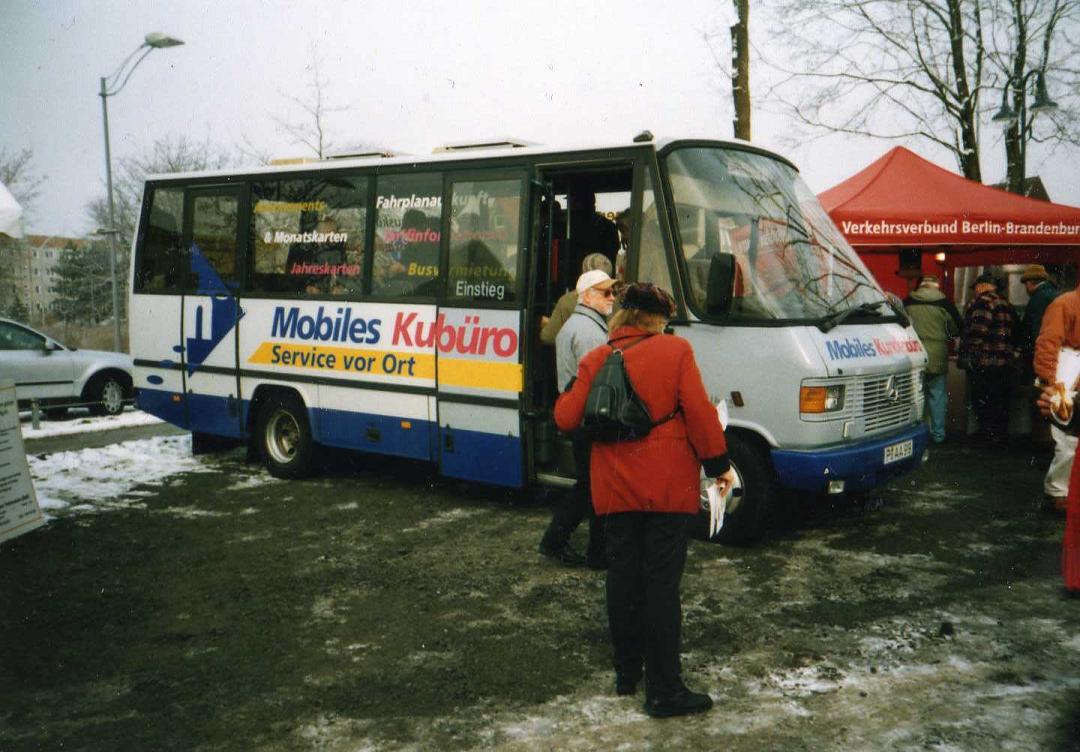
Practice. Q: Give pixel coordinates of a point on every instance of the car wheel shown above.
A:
(284, 437)
(748, 506)
(105, 393)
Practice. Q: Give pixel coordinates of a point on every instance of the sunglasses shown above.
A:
(608, 293)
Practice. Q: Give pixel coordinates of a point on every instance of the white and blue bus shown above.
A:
(392, 304)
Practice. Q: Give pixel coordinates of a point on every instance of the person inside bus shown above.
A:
(413, 263)
(589, 230)
(308, 264)
(646, 491)
(585, 330)
(565, 305)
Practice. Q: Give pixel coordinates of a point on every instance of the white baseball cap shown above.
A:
(595, 278)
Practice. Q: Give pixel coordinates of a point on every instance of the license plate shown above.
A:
(897, 452)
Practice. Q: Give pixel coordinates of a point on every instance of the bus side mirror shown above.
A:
(721, 285)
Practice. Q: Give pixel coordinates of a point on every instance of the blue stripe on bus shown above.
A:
(212, 414)
(374, 433)
(470, 455)
(484, 457)
(161, 404)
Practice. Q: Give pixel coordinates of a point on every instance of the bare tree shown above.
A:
(732, 27)
(887, 69)
(903, 69)
(1033, 50)
(312, 128)
(163, 156)
(17, 173)
(740, 68)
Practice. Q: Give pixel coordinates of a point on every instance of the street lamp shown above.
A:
(1018, 123)
(110, 86)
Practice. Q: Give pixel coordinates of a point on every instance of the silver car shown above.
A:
(60, 377)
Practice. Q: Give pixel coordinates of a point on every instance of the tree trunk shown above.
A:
(740, 69)
(968, 148)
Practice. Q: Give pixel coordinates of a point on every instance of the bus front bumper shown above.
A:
(852, 467)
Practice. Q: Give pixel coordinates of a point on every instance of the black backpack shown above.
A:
(613, 410)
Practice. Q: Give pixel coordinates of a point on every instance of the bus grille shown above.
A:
(887, 401)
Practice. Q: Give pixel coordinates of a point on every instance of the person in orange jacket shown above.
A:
(647, 490)
(1061, 328)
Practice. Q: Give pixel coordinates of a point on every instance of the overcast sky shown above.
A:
(412, 75)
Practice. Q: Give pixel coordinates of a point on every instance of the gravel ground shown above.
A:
(379, 607)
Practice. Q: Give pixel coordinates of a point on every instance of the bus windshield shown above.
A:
(792, 264)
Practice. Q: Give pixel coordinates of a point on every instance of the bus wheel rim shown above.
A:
(282, 436)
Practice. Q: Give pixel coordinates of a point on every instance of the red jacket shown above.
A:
(660, 472)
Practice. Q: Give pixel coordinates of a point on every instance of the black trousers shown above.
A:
(990, 400)
(575, 506)
(646, 556)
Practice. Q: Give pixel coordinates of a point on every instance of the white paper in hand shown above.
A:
(722, 413)
(717, 505)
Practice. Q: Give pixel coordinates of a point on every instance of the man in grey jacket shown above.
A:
(585, 330)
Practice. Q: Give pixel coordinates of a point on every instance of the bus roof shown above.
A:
(459, 154)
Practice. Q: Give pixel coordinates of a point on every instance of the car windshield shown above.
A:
(792, 264)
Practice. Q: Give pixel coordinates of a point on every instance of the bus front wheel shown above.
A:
(748, 506)
(284, 435)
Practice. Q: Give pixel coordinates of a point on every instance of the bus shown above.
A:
(392, 304)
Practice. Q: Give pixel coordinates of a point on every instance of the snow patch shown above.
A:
(89, 425)
(103, 478)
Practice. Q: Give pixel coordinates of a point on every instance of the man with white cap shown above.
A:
(585, 330)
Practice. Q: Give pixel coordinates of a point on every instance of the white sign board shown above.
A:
(19, 511)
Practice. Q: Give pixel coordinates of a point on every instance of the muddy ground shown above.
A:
(378, 607)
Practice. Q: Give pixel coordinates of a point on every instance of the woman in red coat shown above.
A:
(646, 491)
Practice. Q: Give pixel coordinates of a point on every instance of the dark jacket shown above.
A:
(936, 321)
(1033, 316)
(660, 472)
(987, 340)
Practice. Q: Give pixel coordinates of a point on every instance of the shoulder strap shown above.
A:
(641, 338)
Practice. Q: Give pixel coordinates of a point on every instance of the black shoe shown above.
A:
(626, 684)
(598, 563)
(564, 555)
(683, 703)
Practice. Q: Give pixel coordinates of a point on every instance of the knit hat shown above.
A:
(594, 278)
(1034, 272)
(985, 279)
(929, 280)
(645, 296)
(596, 261)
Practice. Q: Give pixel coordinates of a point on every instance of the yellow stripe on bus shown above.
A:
(345, 360)
(480, 374)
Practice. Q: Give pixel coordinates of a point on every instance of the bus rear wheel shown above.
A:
(748, 507)
(284, 437)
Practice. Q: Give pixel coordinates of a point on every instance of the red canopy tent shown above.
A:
(901, 211)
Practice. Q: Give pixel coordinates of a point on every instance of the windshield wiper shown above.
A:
(833, 320)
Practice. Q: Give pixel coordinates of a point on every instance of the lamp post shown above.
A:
(110, 86)
(1018, 123)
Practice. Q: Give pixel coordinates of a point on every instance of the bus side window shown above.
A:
(161, 260)
(408, 217)
(484, 239)
(213, 232)
(307, 235)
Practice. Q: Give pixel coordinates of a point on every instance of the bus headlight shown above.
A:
(821, 399)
